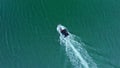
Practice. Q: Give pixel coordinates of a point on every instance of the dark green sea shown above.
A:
(28, 36)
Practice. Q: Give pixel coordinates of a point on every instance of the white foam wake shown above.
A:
(77, 54)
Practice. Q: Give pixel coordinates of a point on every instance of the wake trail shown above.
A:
(77, 54)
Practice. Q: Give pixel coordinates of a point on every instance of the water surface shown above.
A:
(28, 36)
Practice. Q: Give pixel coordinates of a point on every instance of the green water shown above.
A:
(28, 36)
